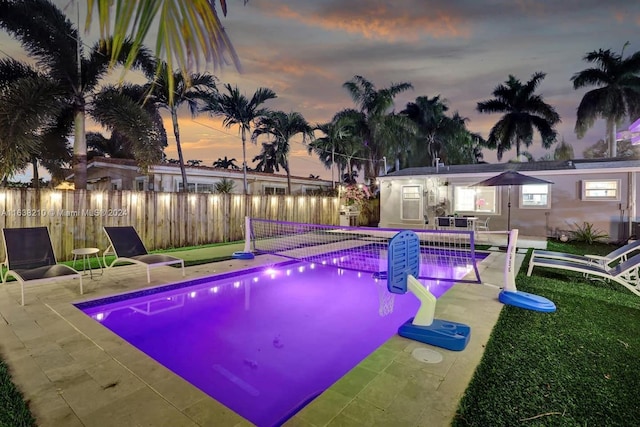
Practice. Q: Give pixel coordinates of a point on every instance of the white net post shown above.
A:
(509, 265)
(247, 234)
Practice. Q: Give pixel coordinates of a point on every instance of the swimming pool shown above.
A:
(264, 342)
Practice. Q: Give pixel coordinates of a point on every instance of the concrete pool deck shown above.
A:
(75, 372)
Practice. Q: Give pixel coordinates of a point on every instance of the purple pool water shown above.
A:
(264, 343)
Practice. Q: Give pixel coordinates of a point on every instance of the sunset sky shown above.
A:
(461, 50)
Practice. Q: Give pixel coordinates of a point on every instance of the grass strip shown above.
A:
(574, 367)
(14, 411)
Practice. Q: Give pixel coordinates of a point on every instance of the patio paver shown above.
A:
(75, 372)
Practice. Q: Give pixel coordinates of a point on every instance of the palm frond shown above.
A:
(187, 29)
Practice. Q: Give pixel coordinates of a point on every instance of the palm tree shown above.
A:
(463, 147)
(30, 103)
(100, 146)
(267, 159)
(236, 109)
(190, 29)
(53, 41)
(435, 129)
(29, 107)
(379, 131)
(523, 111)
(617, 95)
(192, 90)
(283, 127)
(226, 163)
(137, 128)
(340, 145)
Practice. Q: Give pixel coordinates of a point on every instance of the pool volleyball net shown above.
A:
(444, 254)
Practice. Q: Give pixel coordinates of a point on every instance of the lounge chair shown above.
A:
(619, 254)
(30, 258)
(624, 273)
(127, 246)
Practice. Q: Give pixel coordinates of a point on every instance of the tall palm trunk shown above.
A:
(79, 150)
(36, 176)
(176, 133)
(613, 144)
(244, 161)
(286, 168)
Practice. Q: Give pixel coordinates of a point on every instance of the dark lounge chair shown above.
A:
(30, 258)
(126, 244)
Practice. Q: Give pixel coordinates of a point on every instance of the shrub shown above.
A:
(587, 233)
(224, 186)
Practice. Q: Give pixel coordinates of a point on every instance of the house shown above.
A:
(105, 173)
(601, 192)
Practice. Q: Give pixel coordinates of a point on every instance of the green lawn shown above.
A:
(575, 367)
(14, 411)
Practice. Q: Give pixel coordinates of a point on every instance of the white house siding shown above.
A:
(120, 174)
(567, 208)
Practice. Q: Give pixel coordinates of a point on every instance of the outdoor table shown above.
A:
(86, 253)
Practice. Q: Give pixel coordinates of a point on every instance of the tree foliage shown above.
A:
(238, 110)
(281, 127)
(523, 111)
(617, 93)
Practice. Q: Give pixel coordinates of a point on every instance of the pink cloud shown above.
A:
(381, 22)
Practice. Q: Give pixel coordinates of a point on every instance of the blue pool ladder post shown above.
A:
(510, 295)
(402, 270)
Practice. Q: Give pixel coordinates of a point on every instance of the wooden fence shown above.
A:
(163, 220)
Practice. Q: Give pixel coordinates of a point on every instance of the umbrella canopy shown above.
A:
(510, 178)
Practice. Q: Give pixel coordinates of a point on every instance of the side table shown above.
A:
(86, 253)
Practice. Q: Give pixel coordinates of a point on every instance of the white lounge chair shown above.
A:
(126, 244)
(624, 273)
(30, 258)
(619, 254)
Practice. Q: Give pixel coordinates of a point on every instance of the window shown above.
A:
(204, 188)
(412, 202)
(278, 191)
(535, 196)
(475, 199)
(116, 184)
(191, 187)
(601, 190)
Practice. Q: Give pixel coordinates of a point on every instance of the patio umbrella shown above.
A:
(510, 178)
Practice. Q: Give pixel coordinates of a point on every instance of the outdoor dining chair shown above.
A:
(483, 225)
(30, 258)
(126, 244)
(443, 222)
(461, 222)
